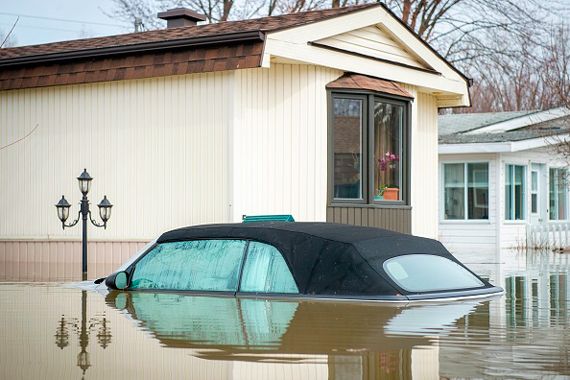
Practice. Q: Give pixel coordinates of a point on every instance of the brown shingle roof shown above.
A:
(134, 66)
(363, 82)
(265, 24)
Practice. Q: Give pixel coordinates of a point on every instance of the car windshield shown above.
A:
(429, 273)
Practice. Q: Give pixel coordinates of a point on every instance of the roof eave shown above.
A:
(146, 47)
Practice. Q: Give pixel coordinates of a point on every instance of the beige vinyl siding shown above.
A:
(375, 42)
(470, 236)
(280, 141)
(60, 260)
(158, 148)
(424, 166)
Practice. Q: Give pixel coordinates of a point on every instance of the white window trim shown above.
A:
(525, 212)
(465, 191)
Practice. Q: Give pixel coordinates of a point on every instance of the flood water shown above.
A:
(52, 330)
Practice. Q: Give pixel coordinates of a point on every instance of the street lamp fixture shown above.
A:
(84, 214)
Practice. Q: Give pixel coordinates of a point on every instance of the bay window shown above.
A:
(515, 192)
(466, 191)
(558, 194)
(369, 137)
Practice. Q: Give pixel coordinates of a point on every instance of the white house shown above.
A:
(502, 184)
(205, 123)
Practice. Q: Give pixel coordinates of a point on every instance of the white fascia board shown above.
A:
(345, 62)
(501, 147)
(473, 148)
(523, 121)
(294, 44)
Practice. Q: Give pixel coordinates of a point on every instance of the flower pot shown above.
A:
(391, 193)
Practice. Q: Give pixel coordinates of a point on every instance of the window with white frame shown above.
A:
(558, 193)
(515, 190)
(466, 191)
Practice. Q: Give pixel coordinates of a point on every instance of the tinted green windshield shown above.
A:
(202, 265)
(428, 273)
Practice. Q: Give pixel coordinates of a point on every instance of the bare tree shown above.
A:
(9, 39)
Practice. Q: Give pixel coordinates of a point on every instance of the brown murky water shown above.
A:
(56, 331)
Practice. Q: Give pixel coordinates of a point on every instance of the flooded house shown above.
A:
(328, 115)
(504, 180)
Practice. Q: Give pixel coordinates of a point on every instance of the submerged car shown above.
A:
(300, 260)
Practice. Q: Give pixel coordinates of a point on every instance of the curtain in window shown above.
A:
(347, 135)
(266, 271)
(202, 265)
(454, 185)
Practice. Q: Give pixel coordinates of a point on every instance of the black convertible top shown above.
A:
(327, 259)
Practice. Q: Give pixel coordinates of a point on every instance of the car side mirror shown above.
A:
(118, 280)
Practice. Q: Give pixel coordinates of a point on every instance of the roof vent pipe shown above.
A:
(178, 17)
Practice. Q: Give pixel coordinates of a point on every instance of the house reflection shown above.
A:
(357, 341)
(83, 328)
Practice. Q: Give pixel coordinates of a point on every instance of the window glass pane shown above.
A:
(203, 265)
(515, 190)
(478, 191)
(558, 194)
(428, 273)
(388, 125)
(519, 192)
(508, 192)
(534, 203)
(266, 271)
(347, 135)
(454, 191)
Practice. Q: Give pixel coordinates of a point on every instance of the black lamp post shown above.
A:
(84, 213)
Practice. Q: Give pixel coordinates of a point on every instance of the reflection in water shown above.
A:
(359, 341)
(524, 334)
(83, 330)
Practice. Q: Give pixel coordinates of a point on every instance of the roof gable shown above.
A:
(376, 42)
(397, 53)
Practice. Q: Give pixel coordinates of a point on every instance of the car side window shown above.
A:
(266, 271)
(200, 265)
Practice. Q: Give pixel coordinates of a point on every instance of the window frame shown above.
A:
(465, 192)
(239, 292)
(525, 194)
(367, 161)
(130, 270)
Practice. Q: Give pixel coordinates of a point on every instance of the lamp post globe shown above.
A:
(84, 180)
(63, 209)
(105, 209)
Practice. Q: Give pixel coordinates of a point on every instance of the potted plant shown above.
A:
(388, 192)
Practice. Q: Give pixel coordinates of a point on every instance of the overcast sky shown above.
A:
(74, 19)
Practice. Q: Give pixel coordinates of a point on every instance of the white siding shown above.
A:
(280, 141)
(468, 236)
(373, 41)
(157, 147)
(424, 168)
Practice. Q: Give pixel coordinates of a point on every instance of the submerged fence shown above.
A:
(550, 235)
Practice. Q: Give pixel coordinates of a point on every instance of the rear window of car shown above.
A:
(420, 273)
